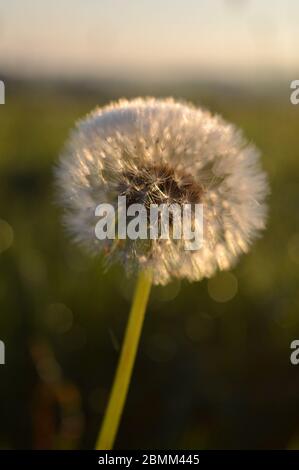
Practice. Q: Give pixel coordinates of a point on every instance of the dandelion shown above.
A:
(155, 152)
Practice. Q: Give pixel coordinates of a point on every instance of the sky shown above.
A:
(148, 38)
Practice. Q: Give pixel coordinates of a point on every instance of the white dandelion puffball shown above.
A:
(164, 151)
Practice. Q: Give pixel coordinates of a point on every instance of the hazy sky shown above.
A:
(148, 37)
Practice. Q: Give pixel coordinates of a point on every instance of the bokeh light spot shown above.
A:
(223, 287)
(59, 318)
(293, 248)
(168, 292)
(6, 235)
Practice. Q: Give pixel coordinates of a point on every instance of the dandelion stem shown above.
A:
(125, 366)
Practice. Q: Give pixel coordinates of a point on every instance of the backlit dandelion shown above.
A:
(160, 152)
(157, 151)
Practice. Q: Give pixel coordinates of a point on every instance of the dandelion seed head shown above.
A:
(163, 151)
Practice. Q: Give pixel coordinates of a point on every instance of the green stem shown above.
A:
(125, 366)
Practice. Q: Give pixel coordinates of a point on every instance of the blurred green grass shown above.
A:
(209, 374)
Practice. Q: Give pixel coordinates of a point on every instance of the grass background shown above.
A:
(213, 368)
